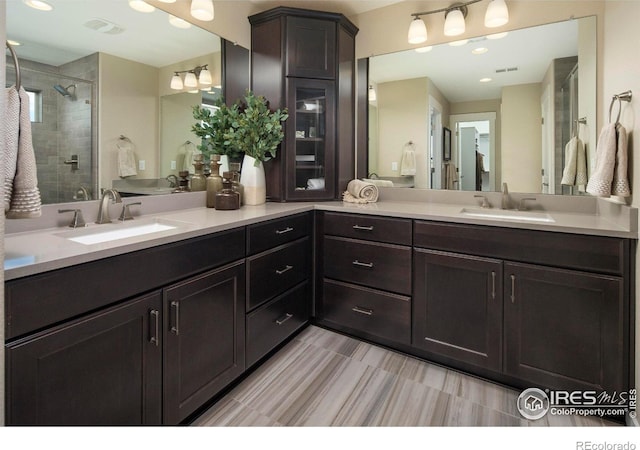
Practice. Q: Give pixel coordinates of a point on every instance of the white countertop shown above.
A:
(33, 252)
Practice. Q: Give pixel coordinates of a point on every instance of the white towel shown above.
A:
(315, 184)
(360, 192)
(379, 183)
(582, 177)
(600, 182)
(408, 162)
(11, 131)
(450, 176)
(575, 168)
(190, 151)
(24, 194)
(620, 174)
(126, 159)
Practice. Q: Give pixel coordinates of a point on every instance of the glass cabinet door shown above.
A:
(311, 140)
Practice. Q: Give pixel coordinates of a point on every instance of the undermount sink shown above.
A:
(504, 214)
(98, 234)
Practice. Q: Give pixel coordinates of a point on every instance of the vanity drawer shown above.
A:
(370, 228)
(573, 251)
(263, 236)
(381, 266)
(273, 272)
(373, 312)
(271, 324)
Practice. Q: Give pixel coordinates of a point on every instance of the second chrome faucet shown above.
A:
(103, 212)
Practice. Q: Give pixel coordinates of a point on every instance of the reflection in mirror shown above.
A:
(97, 71)
(512, 103)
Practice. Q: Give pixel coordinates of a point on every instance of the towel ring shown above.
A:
(16, 64)
(625, 96)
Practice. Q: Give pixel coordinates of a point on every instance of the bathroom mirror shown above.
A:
(98, 71)
(511, 102)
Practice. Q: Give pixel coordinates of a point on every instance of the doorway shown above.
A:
(473, 150)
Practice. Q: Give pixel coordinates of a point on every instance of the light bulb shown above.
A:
(176, 82)
(202, 9)
(167, 1)
(178, 22)
(454, 23)
(190, 80)
(497, 14)
(417, 31)
(141, 6)
(205, 78)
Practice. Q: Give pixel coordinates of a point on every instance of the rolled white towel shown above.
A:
(359, 189)
(379, 183)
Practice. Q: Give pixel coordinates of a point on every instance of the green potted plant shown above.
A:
(257, 132)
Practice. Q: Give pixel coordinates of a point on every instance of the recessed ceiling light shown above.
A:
(14, 43)
(167, 1)
(497, 35)
(458, 43)
(480, 50)
(178, 22)
(424, 49)
(141, 6)
(486, 80)
(38, 4)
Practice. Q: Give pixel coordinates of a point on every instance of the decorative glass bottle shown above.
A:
(235, 180)
(198, 180)
(227, 198)
(214, 182)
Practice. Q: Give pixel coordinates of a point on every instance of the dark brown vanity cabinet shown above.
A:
(305, 61)
(365, 275)
(278, 282)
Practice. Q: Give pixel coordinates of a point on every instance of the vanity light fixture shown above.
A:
(454, 25)
(178, 22)
(38, 4)
(141, 6)
(202, 10)
(167, 1)
(199, 77)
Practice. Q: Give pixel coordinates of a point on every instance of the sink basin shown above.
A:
(98, 234)
(503, 214)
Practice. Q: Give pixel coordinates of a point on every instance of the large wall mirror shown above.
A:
(100, 74)
(491, 109)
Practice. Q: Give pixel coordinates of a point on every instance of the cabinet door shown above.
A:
(457, 307)
(311, 48)
(105, 369)
(204, 344)
(310, 140)
(564, 329)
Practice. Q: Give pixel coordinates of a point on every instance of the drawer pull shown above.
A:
(175, 306)
(493, 285)
(156, 328)
(366, 312)
(361, 264)
(285, 231)
(284, 319)
(361, 228)
(285, 270)
(513, 289)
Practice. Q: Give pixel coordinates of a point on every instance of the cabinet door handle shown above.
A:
(361, 264)
(366, 312)
(285, 231)
(513, 289)
(285, 270)
(493, 285)
(361, 228)
(155, 315)
(284, 319)
(175, 306)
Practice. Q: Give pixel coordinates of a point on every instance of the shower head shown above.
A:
(65, 91)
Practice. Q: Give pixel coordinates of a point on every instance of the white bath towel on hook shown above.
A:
(408, 163)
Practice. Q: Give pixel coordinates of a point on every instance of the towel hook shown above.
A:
(16, 64)
(622, 97)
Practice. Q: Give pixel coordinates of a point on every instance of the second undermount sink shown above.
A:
(98, 234)
(504, 214)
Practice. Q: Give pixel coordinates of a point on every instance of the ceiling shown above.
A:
(349, 8)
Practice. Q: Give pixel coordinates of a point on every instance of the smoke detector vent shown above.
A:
(104, 26)
(507, 69)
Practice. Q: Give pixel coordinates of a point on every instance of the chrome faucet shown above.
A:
(485, 202)
(103, 212)
(506, 201)
(522, 206)
(173, 181)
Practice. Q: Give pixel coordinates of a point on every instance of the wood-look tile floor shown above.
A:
(322, 378)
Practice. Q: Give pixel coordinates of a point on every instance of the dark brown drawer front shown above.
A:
(274, 272)
(49, 298)
(591, 253)
(373, 312)
(271, 324)
(370, 228)
(380, 266)
(263, 236)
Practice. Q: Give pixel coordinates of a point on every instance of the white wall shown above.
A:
(622, 72)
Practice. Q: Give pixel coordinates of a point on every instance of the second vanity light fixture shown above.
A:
(200, 9)
(197, 78)
(497, 15)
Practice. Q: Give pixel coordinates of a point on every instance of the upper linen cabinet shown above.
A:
(305, 61)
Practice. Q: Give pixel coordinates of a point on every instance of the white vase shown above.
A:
(253, 180)
(224, 164)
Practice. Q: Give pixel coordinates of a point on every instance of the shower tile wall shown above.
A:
(66, 125)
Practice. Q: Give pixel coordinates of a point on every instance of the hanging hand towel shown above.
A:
(25, 198)
(190, 151)
(408, 162)
(600, 183)
(450, 176)
(620, 175)
(11, 131)
(570, 162)
(581, 166)
(126, 159)
(360, 192)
